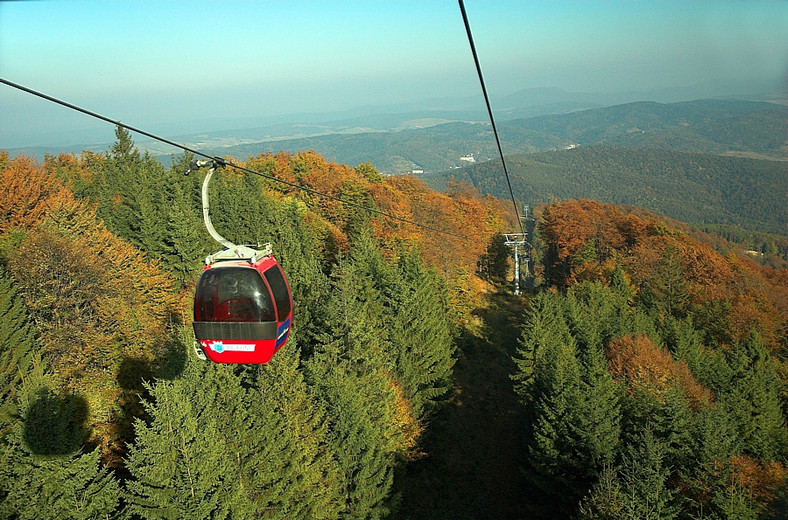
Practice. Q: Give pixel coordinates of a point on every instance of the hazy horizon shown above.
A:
(149, 64)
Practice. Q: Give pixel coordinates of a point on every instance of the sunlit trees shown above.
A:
(43, 471)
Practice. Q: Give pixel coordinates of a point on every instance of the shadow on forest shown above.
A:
(133, 376)
(474, 445)
(56, 424)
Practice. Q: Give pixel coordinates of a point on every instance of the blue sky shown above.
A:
(147, 62)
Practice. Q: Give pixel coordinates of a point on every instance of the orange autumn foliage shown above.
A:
(28, 190)
(641, 364)
(461, 211)
(97, 303)
(763, 480)
(585, 239)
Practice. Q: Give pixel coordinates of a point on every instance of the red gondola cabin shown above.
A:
(242, 310)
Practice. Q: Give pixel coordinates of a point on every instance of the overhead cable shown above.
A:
(223, 162)
(489, 111)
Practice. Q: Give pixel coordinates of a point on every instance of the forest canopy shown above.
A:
(647, 363)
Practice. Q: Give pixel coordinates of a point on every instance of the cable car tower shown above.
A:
(518, 241)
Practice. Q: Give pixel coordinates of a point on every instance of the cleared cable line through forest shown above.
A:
(489, 111)
(223, 162)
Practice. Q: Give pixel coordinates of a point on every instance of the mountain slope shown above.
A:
(695, 188)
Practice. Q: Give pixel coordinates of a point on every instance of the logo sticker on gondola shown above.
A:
(220, 346)
(281, 332)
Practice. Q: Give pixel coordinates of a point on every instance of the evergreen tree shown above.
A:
(360, 403)
(667, 288)
(543, 327)
(186, 241)
(644, 480)
(116, 185)
(183, 463)
(234, 442)
(752, 398)
(295, 248)
(668, 417)
(292, 471)
(354, 318)
(565, 450)
(351, 371)
(494, 264)
(606, 500)
(421, 334)
(131, 192)
(592, 321)
(17, 343)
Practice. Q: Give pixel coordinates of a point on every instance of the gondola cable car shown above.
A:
(243, 308)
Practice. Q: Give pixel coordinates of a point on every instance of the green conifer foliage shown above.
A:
(421, 335)
(354, 319)
(565, 449)
(667, 289)
(543, 328)
(752, 397)
(17, 343)
(187, 241)
(360, 404)
(606, 500)
(291, 472)
(644, 480)
(353, 372)
(130, 190)
(234, 442)
(183, 464)
(296, 250)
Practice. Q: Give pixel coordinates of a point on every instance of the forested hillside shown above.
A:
(645, 375)
(105, 411)
(691, 187)
(654, 381)
(703, 126)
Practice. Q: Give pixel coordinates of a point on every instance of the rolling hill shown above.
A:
(734, 127)
(695, 188)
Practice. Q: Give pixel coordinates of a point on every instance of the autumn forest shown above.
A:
(642, 374)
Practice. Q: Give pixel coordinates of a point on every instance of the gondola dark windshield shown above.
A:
(233, 294)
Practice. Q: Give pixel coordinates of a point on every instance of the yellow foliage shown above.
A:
(404, 422)
(642, 364)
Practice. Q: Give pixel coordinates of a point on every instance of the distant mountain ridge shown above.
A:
(735, 127)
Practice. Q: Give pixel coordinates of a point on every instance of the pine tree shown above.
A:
(543, 327)
(592, 320)
(17, 346)
(667, 288)
(182, 463)
(351, 371)
(421, 334)
(562, 460)
(295, 248)
(606, 500)
(354, 320)
(292, 472)
(557, 460)
(360, 404)
(752, 398)
(186, 241)
(644, 480)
